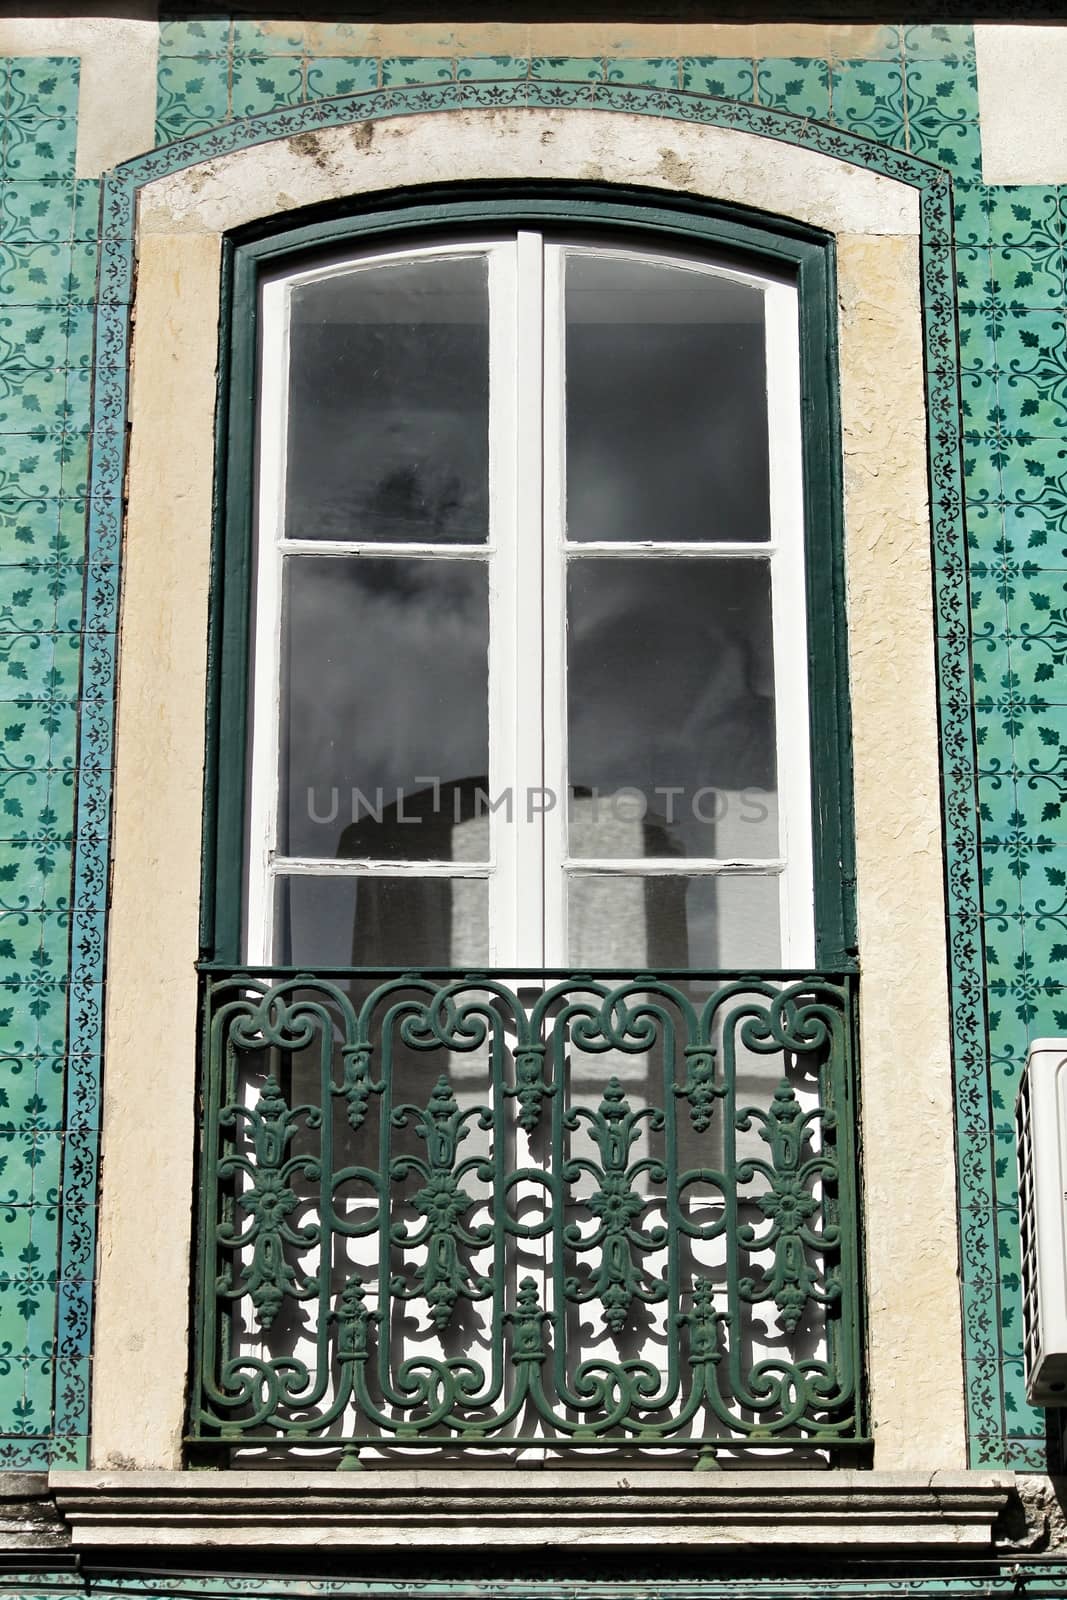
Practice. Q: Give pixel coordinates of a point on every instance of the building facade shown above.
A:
(612, 1184)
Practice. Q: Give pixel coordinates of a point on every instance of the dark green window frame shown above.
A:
(743, 237)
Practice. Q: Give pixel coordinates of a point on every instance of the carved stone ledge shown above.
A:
(563, 1510)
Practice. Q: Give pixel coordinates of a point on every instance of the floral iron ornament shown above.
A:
(616, 1280)
(790, 1205)
(553, 1222)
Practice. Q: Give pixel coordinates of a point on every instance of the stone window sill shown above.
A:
(561, 1510)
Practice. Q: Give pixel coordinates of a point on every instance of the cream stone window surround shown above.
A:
(915, 1360)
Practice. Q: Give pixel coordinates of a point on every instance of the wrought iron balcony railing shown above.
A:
(527, 1213)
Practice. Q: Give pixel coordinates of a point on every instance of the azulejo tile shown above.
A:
(942, 112)
(27, 1412)
(1001, 924)
(1041, 785)
(87, 1013)
(1045, 943)
(1033, 997)
(1007, 1052)
(728, 77)
(1025, 1455)
(82, 1085)
(37, 210)
(194, 95)
(991, 576)
(652, 72)
(1023, 1420)
(286, 38)
(86, 225)
(950, 93)
(1032, 353)
(990, 552)
(801, 84)
(1034, 485)
(22, 881)
(1037, 638)
(997, 801)
(81, 1156)
(264, 83)
(947, 42)
(35, 274)
(195, 38)
(1001, 932)
(867, 97)
(431, 69)
(1024, 217)
(29, 523)
(1034, 278)
(974, 274)
(994, 752)
(40, 118)
(978, 375)
(33, 378)
(491, 69)
(21, 789)
(49, 1085)
(972, 206)
(332, 75)
(25, 738)
(1004, 698)
(28, 595)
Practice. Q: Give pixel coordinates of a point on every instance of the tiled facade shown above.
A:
(48, 271)
(912, 94)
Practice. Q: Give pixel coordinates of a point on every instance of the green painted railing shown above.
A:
(531, 1212)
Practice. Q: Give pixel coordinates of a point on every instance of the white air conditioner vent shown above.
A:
(1041, 1133)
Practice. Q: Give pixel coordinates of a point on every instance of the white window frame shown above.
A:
(527, 551)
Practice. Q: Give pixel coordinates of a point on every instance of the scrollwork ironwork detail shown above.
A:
(612, 1216)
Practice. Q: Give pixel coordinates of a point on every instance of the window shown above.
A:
(528, 649)
(530, 624)
(870, 228)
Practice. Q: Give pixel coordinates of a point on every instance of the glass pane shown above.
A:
(671, 708)
(666, 403)
(385, 721)
(389, 404)
(382, 922)
(730, 921)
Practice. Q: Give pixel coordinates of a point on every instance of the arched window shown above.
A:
(547, 607)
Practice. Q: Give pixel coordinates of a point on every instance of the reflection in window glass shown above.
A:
(670, 707)
(389, 404)
(384, 707)
(666, 403)
(726, 921)
(382, 922)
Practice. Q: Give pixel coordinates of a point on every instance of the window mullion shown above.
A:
(553, 535)
(266, 686)
(789, 624)
(525, 711)
(515, 389)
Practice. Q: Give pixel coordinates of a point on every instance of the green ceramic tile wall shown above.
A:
(47, 289)
(915, 90)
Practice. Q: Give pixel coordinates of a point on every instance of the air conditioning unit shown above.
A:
(1041, 1133)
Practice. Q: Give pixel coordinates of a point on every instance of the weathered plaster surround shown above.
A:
(915, 1361)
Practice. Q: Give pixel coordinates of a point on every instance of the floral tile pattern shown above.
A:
(47, 293)
(915, 92)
